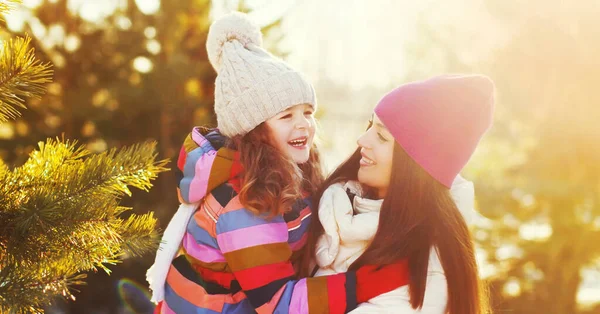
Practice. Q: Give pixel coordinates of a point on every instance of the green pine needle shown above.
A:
(60, 216)
(22, 76)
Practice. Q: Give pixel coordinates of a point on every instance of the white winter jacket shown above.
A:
(348, 228)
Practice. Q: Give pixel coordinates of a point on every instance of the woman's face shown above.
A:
(377, 149)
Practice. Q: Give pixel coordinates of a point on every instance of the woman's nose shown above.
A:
(362, 140)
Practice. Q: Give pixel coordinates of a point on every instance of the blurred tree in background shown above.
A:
(537, 172)
(545, 201)
(125, 71)
(59, 211)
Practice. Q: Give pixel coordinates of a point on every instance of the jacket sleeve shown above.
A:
(398, 300)
(257, 251)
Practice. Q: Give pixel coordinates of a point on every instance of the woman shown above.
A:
(391, 199)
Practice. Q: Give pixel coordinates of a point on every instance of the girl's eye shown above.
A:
(287, 116)
(370, 124)
(308, 113)
(381, 138)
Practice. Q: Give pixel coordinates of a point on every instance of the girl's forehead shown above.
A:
(299, 106)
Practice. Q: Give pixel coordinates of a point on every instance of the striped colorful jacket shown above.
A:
(233, 261)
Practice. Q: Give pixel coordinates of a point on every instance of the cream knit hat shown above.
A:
(252, 85)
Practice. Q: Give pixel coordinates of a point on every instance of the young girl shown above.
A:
(245, 193)
(396, 197)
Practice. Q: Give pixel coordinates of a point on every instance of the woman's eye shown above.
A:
(381, 138)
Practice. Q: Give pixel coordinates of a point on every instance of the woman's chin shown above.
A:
(363, 177)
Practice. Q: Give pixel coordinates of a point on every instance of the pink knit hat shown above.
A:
(439, 121)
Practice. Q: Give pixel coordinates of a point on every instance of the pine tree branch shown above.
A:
(28, 290)
(52, 156)
(62, 168)
(21, 76)
(139, 234)
(93, 184)
(59, 215)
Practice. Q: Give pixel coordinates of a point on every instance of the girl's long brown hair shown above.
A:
(417, 214)
(271, 181)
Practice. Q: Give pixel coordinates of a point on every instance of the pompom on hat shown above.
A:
(252, 85)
